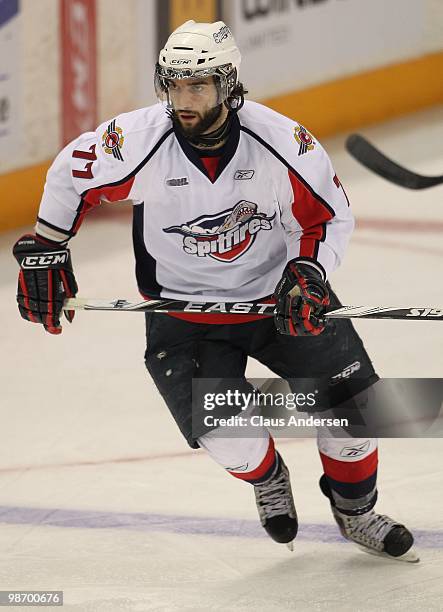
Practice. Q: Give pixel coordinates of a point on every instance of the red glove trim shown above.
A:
(21, 279)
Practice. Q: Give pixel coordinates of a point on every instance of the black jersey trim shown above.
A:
(78, 211)
(346, 195)
(289, 167)
(145, 264)
(55, 227)
(136, 169)
(317, 246)
(227, 152)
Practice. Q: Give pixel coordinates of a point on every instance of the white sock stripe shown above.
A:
(346, 449)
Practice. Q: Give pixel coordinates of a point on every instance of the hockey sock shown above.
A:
(251, 459)
(350, 473)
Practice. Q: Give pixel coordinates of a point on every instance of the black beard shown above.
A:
(204, 124)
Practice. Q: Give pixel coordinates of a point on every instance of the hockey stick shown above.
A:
(364, 152)
(247, 308)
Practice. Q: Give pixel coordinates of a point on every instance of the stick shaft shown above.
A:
(166, 306)
(368, 155)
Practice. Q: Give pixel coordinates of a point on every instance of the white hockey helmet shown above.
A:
(198, 50)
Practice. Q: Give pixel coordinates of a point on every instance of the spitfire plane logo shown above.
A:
(304, 139)
(225, 236)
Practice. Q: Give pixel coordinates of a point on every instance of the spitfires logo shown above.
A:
(304, 139)
(112, 140)
(225, 236)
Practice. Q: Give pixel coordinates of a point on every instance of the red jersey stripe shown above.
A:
(216, 319)
(311, 214)
(93, 197)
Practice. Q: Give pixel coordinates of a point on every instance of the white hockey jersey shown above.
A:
(274, 197)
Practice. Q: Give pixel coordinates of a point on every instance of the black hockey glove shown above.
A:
(45, 280)
(301, 295)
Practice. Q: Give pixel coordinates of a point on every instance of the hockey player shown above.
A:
(232, 202)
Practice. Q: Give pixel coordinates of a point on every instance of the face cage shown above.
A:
(225, 80)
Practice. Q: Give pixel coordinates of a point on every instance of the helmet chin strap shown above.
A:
(214, 138)
(210, 140)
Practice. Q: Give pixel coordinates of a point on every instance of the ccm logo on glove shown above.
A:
(45, 259)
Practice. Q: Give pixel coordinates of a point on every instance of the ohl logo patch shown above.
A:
(304, 139)
(225, 236)
(112, 140)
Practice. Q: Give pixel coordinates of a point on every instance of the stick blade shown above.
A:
(373, 159)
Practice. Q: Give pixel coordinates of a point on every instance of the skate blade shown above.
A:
(290, 545)
(409, 557)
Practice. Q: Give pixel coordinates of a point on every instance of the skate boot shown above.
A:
(374, 533)
(377, 534)
(275, 506)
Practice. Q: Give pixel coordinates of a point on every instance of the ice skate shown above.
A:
(276, 508)
(377, 534)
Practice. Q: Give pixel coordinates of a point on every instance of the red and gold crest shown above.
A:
(112, 140)
(304, 139)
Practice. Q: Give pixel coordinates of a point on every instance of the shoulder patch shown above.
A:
(304, 139)
(112, 140)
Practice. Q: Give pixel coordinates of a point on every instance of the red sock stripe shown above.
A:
(264, 466)
(21, 280)
(350, 471)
